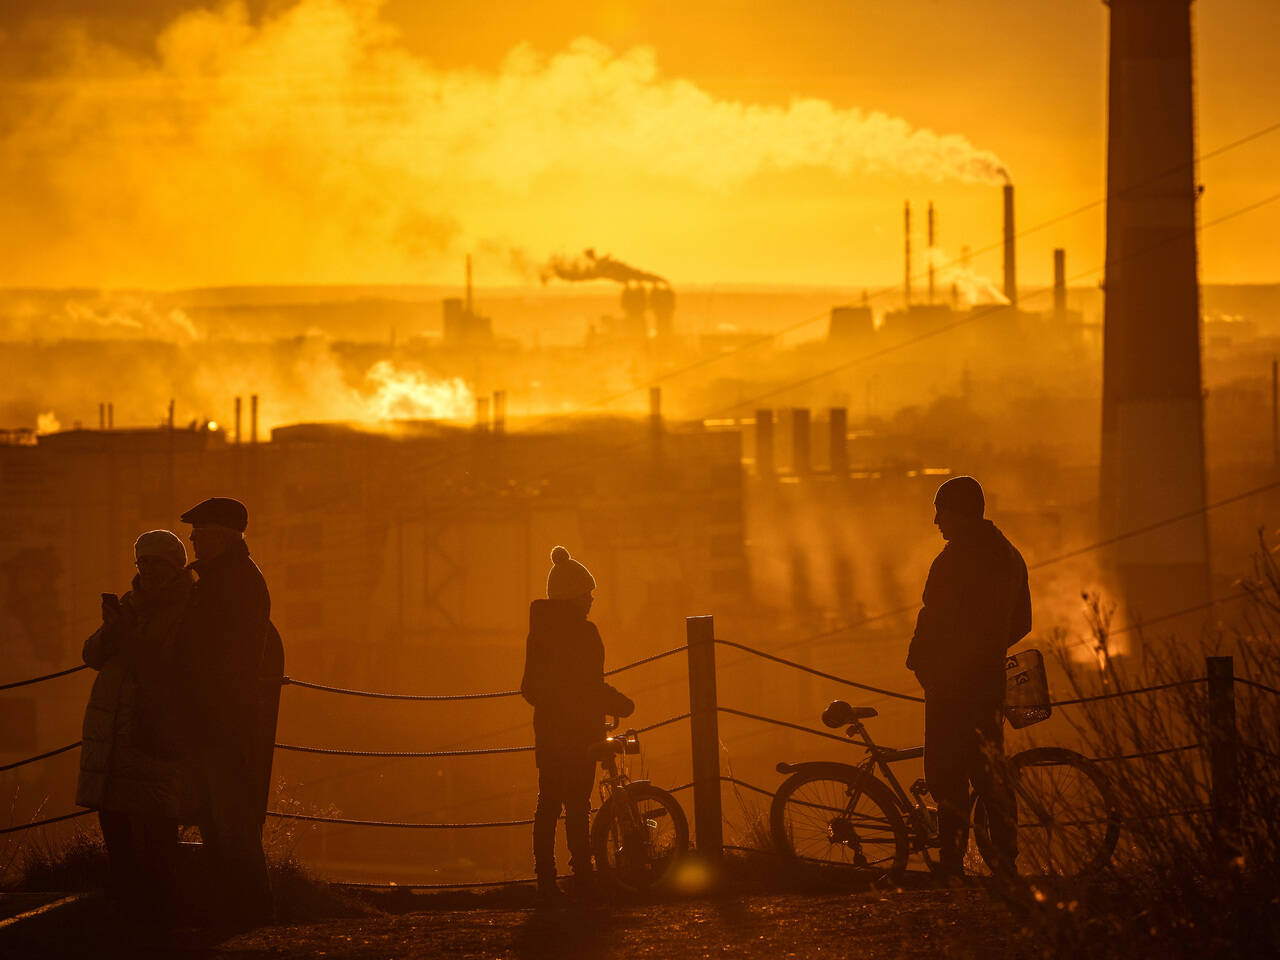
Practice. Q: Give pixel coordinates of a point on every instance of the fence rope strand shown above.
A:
(402, 824)
(42, 679)
(449, 697)
(782, 723)
(46, 822)
(819, 673)
(40, 756)
(426, 754)
(1126, 693)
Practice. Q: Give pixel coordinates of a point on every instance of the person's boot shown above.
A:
(548, 893)
(583, 886)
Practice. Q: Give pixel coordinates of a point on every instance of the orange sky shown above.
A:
(705, 141)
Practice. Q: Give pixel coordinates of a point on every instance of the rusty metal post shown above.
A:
(705, 736)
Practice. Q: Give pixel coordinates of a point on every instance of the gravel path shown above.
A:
(916, 924)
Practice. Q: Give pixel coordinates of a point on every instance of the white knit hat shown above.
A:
(163, 544)
(568, 578)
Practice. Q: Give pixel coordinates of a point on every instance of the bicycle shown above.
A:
(843, 814)
(640, 832)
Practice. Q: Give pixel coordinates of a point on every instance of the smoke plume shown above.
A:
(313, 146)
(589, 266)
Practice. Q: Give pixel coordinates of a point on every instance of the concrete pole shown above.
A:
(704, 725)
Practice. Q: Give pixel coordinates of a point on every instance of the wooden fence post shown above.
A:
(1224, 784)
(704, 729)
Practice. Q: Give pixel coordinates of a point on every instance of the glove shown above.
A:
(616, 703)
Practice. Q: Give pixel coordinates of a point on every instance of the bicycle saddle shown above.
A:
(839, 714)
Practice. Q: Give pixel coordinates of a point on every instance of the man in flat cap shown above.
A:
(224, 637)
(977, 604)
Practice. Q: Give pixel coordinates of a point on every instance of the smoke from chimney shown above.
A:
(589, 266)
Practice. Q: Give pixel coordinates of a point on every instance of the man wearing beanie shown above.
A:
(564, 681)
(977, 604)
(223, 645)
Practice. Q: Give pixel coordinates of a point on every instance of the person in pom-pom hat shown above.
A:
(564, 681)
(977, 604)
(129, 756)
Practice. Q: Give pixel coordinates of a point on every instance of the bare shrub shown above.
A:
(1182, 882)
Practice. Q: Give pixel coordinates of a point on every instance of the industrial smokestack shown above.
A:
(499, 411)
(906, 236)
(111, 416)
(1059, 285)
(1010, 254)
(469, 310)
(102, 416)
(764, 444)
(929, 252)
(237, 420)
(1152, 408)
(253, 418)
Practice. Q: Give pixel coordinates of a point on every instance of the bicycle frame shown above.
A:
(615, 785)
(879, 759)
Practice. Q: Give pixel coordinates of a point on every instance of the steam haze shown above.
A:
(314, 147)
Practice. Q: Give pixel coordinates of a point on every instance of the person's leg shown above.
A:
(237, 857)
(550, 799)
(948, 747)
(991, 780)
(117, 835)
(577, 814)
(158, 849)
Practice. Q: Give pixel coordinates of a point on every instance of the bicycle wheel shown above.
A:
(638, 848)
(834, 815)
(1068, 825)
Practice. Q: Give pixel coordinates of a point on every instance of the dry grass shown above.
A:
(1180, 885)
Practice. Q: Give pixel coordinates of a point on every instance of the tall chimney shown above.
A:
(764, 444)
(929, 251)
(1010, 250)
(469, 285)
(1152, 409)
(253, 418)
(1059, 285)
(111, 416)
(171, 413)
(237, 420)
(801, 442)
(906, 236)
(102, 416)
(499, 411)
(838, 424)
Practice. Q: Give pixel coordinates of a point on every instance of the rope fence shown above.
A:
(40, 756)
(46, 822)
(42, 679)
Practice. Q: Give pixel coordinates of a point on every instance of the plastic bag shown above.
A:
(1026, 689)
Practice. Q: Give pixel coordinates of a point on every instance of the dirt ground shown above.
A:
(920, 923)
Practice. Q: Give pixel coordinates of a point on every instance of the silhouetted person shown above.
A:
(223, 645)
(129, 759)
(564, 681)
(977, 604)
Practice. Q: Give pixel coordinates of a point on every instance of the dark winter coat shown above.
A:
(564, 681)
(977, 604)
(223, 638)
(129, 756)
